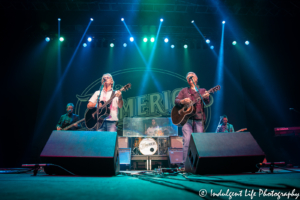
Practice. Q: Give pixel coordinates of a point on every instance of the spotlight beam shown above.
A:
(195, 25)
(58, 86)
(143, 58)
(219, 80)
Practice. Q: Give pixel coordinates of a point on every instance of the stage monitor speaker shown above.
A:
(82, 153)
(175, 155)
(217, 153)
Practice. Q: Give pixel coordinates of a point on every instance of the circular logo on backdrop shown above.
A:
(158, 104)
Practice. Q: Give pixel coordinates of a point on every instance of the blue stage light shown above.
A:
(247, 42)
(212, 47)
(92, 19)
(161, 19)
(84, 45)
(223, 22)
(185, 46)
(207, 41)
(124, 45)
(145, 39)
(122, 19)
(234, 43)
(192, 21)
(172, 46)
(47, 39)
(58, 19)
(131, 39)
(89, 39)
(111, 45)
(166, 40)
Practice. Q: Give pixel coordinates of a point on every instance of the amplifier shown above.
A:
(123, 142)
(176, 142)
(175, 155)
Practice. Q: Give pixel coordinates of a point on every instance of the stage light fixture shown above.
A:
(212, 47)
(172, 46)
(223, 22)
(207, 41)
(92, 19)
(111, 45)
(247, 42)
(234, 43)
(131, 39)
(152, 39)
(145, 39)
(89, 39)
(84, 45)
(47, 39)
(161, 19)
(122, 19)
(58, 19)
(192, 21)
(61, 39)
(166, 40)
(185, 46)
(124, 45)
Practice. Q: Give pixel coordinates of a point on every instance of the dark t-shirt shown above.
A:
(66, 120)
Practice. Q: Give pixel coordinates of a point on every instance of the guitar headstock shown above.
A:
(214, 89)
(126, 87)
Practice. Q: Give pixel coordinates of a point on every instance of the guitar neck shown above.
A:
(66, 128)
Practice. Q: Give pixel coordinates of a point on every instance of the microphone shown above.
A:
(191, 77)
(70, 110)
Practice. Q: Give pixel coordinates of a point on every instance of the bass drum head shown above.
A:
(148, 146)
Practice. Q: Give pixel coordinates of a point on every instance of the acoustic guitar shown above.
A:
(91, 115)
(180, 114)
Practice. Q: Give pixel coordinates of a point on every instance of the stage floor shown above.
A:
(147, 186)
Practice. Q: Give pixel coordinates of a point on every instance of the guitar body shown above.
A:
(180, 116)
(91, 116)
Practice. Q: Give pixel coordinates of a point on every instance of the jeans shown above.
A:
(108, 126)
(191, 126)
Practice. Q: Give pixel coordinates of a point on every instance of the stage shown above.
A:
(146, 185)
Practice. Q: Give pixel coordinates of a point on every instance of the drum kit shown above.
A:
(150, 146)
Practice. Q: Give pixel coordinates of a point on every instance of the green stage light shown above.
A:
(145, 39)
(234, 43)
(152, 39)
(61, 39)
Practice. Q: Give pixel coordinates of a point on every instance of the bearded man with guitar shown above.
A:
(195, 123)
(110, 116)
(69, 120)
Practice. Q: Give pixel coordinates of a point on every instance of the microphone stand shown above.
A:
(198, 91)
(98, 102)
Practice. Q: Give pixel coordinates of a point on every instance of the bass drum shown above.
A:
(148, 146)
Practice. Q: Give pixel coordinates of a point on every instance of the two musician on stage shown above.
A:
(188, 97)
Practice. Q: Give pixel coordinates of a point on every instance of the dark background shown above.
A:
(259, 79)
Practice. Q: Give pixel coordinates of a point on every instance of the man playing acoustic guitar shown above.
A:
(109, 123)
(195, 124)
